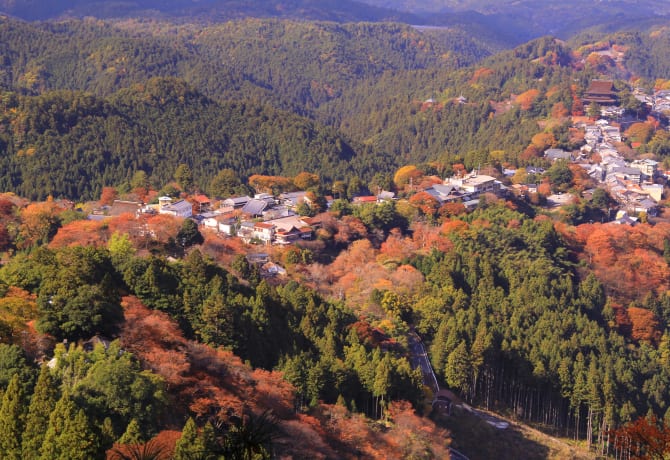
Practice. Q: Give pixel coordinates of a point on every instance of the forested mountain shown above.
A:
(561, 325)
(389, 93)
(531, 19)
(72, 144)
(514, 311)
(236, 60)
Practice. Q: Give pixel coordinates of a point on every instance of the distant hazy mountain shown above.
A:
(503, 6)
(527, 19)
(503, 23)
(210, 10)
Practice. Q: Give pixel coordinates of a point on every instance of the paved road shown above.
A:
(419, 358)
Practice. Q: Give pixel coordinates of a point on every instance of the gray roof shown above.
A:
(123, 207)
(293, 197)
(627, 171)
(181, 205)
(255, 207)
(237, 201)
(441, 192)
(646, 203)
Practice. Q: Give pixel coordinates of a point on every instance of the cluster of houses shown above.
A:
(659, 101)
(632, 184)
(266, 219)
(261, 219)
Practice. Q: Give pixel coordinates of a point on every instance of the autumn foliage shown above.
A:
(645, 325)
(481, 73)
(407, 175)
(526, 99)
(627, 260)
(646, 438)
(214, 384)
(271, 184)
(81, 233)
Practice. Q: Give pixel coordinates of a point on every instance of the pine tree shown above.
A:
(12, 417)
(209, 442)
(457, 369)
(189, 445)
(217, 318)
(382, 382)
(63, 411)
(41, 406)
(133, 435)
(77, 441)
(184, 177)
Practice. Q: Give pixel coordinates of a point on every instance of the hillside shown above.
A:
(72, 144)
(384, 95)
(513, 312)
(550, 315)
(530, 19)
(326, 58)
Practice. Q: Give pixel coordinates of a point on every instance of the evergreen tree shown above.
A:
(140, 180)
(184, 177)
(217, 319)
(189, 234)
(41, 405)
(189, 445)
(382, 382)
(77, 441)
(132, 435)
(12, 417)
(63, 411)
(226, 183)
(457, 369)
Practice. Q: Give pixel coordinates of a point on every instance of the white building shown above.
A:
(475, 184)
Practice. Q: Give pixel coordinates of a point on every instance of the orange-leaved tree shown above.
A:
(646, 438)
(406, 175)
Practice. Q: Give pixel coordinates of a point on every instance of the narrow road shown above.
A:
(419, 358)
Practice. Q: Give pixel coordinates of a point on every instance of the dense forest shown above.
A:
(377, 96)
(160, 337)
(520, 314)
(72, 144)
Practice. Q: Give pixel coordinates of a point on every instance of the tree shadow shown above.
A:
(478, 440)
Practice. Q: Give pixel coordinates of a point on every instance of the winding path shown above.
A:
(419, 359)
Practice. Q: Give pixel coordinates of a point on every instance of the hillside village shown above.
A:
(635, 186)
(280, 243)
(267, 219)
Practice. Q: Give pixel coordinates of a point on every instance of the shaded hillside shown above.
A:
(72, 144)
(418, 116)
(393, 105)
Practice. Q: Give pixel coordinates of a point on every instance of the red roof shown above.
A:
(264, 225)
(201, 198)
(365, 199)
